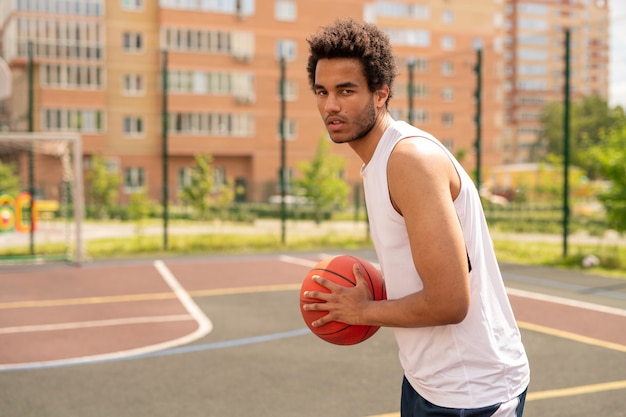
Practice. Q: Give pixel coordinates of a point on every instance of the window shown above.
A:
(532, 24)
(217, 83)
(58, 39)
(447, 68)
(420, 90)
(219, 178)
(291, 90)
(290, 129)
(286, 49)
(63, 76)
(447, 43)
(285, 10)
(133, 84)
(212, 124)
(420, 116)
(223, 42)
(447, 119)
(532, 39)
(133, 42)
(134, 179)
(531, 54)
(529, 8)
(72, 120)
(447, 17)
(409, 37)
(240, 7)
(532, 85)
(448, 143)
(132, 4)
(184, 177)
(76, 7)
(419, 64)
(477, 43)
(402, 10)
(133, 126)
(447, 94)
(532, 70)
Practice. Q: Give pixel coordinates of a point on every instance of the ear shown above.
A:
(381, 96)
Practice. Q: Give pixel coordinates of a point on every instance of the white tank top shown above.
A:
(480, 361)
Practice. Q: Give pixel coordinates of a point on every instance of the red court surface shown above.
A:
(65, 315)
(68, 312)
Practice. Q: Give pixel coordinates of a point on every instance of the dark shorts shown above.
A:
(414, 405)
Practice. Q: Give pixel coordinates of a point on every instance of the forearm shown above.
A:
(414, 310)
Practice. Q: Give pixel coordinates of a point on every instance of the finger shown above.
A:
(326, 283)
(315, 306)
(321, 321)
(356, 270)
(360, 280)
(317, 295)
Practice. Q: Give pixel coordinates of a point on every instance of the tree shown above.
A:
(224, 199)
(202, 193)
(611, 157)
(9, 181)
(139, 209)
(590, 118)
(321, 182)
(103, 186)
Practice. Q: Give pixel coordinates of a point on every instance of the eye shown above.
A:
(346, 92)
(321, 93)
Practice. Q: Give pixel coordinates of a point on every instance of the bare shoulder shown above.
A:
(421, 155)
(417, 167)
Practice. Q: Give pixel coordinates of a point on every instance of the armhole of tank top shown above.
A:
(447, 153)
(459, 176)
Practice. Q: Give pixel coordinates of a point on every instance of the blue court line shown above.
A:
(226, 343)
(171, 351)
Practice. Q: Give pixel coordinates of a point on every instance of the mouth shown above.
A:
(334, 123)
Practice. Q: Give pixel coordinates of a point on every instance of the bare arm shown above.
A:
(422, 184)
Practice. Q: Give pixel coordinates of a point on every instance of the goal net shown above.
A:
(41, 197)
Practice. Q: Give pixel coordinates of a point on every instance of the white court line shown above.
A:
(566, 301)
(205, 326)
(93, 323)
(297, 261)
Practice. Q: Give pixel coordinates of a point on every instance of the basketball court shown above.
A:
(223, 336)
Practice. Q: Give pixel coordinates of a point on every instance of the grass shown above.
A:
(140, 246)
(612, 257)
(216, 243)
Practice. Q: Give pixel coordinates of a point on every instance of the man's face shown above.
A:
(343, 99)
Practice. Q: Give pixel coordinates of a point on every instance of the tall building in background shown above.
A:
(99, 68)
(535, 62)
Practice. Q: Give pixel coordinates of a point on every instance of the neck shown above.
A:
(365, 147)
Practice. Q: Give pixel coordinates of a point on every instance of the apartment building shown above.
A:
(535, 62)
(100, 65)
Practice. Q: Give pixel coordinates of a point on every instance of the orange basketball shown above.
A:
(338, 269)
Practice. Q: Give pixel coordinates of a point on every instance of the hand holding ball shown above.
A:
(339, 270)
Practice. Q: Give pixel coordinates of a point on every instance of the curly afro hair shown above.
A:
(348, 38)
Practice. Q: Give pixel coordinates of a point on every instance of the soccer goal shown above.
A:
(41, 197)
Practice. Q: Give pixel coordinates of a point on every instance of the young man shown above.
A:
(459, 345)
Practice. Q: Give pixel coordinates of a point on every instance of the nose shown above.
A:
(331, 104)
